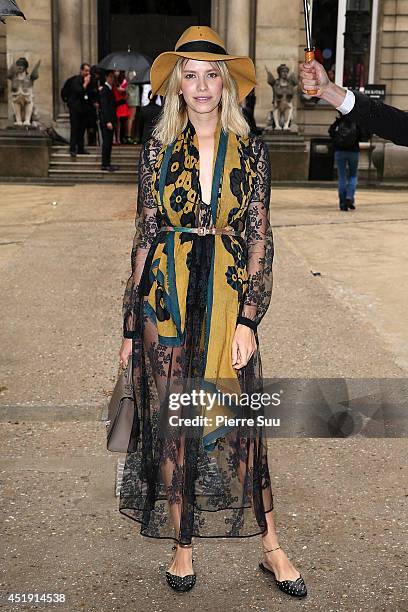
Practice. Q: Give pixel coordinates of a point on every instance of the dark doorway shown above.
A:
(147, 26)
(324, 33)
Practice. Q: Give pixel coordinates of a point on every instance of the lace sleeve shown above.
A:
(146, 230)
(260, 247)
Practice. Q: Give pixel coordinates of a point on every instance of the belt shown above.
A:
(201, 231)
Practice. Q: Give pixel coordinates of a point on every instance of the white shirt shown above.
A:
(145, 95)
(348, 103)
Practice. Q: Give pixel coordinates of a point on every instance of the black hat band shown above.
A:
(202, 45)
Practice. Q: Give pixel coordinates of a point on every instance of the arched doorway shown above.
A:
(147, 26)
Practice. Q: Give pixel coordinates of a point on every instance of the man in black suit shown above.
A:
(386, 121)
(107, 120)
(77, 99)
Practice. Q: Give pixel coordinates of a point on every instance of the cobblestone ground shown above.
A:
(338, 310)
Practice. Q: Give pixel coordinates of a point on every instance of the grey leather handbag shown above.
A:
(122, 425)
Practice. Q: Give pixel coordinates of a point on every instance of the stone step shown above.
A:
(81, 166)
(92, 159)
(87, 168)
(87, 172)
(61, 157)
(66, 178)
(132, 150)
(131, 164)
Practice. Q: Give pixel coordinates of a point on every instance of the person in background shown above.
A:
(248, 109)
(147, 118)
(77, 100)
(146, 88)
(107, 121)
(346, 136)
(133, 100)
(92, 105)
(98, 74)
(122, 108)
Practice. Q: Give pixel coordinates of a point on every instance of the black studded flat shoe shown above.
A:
(296, 588)
(181, 583)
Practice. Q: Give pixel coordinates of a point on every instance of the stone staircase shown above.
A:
(87, 168)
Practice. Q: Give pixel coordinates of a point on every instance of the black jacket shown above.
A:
(107, 106)
(77, 94)
(386, 121)
(147, 119)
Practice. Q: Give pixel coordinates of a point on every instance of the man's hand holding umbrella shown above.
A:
(314, 77)
(382, 119)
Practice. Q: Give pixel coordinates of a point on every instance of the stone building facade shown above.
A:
(360, 41)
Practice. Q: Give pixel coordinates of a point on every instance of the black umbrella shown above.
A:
(141, 77)
(8, 8)
(126, 60)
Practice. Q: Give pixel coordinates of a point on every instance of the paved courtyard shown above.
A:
(338, 310)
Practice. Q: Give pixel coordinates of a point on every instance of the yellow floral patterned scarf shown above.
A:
(196, 284)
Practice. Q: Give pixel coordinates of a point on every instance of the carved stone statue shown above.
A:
(22, 94)
(283, 90)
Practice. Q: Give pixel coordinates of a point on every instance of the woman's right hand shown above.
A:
(125, 351)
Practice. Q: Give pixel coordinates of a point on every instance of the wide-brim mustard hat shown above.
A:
(202, 43)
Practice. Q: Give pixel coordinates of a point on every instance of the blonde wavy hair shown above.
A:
(173, 118)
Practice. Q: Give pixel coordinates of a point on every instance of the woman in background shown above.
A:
(133, 100)
(122, 108)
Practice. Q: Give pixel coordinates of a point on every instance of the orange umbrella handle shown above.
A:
(309, 56)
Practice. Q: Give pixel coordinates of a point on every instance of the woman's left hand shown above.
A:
(243, 346)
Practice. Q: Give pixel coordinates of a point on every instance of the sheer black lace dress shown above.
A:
(173, 485)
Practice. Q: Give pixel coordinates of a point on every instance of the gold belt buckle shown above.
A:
(202, 231)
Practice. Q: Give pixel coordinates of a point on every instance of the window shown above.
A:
(341, 33)
(324, 34)
(357, 43)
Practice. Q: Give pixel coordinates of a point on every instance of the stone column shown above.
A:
(90, 31)
(238, 27)
(69, 41)
(75, 41)
(69, 37)
(219, 17)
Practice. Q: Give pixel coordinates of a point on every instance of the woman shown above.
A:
(346, 136)
(133, 100)
(122, 108)
(197, 292)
